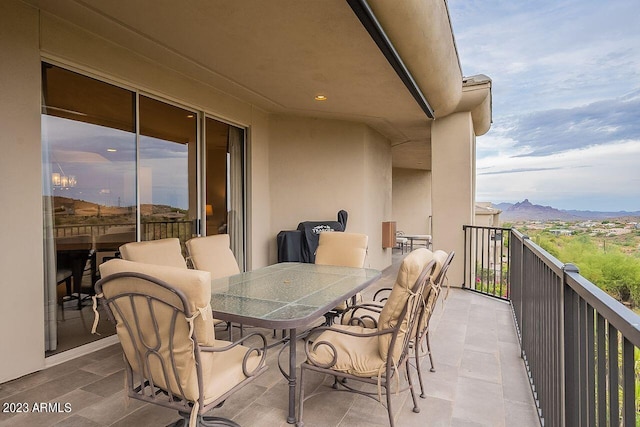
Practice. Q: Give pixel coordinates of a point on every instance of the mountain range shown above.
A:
(526, 210)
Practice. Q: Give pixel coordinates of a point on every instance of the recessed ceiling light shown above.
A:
(111, 150)
(320, 98)
(189, 116)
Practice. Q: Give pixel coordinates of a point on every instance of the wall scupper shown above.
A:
(476, 98)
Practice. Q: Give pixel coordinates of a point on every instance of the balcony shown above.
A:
(526, 336)
(480, 379)
(579, 344)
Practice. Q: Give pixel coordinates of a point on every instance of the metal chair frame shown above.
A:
(391, 367)
(422, 334)
(145, 389)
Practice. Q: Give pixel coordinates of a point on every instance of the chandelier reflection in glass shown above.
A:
(61, 180)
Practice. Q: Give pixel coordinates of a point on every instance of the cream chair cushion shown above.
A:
(221, 370)
(356, 355)
(370, 318)
(195, 284)
(366, 356)
(431, 297)
(410, 270)
(342, 249)
(212, 254)
(440, 257)
(165, 252)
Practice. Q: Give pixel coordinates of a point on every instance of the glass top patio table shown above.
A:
(286, 295)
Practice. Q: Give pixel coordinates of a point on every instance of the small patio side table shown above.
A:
(420, 237)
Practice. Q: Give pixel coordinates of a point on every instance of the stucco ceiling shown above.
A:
(276, 54)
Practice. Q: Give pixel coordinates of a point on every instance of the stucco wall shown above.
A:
(318, 167)
(26, 37)
(453, 151)
(22, 301)
(377, 191)
(412, 200)
(298, 168)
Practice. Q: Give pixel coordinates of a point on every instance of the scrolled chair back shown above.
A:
(165, 325)
(160, 325)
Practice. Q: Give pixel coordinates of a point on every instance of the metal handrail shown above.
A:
(577, 342)
(623, 319)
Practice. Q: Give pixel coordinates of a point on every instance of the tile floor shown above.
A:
(480, 380)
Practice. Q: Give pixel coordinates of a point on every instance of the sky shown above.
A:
(566, 100)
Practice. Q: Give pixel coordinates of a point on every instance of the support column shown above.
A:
(453, 186)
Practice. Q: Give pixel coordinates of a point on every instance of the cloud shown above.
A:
(519, 171)
(602, 177)
(558, 130)
(566, 99)
(554, 55)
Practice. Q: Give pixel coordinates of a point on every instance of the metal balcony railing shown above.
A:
(578, 343)
(151, 230)
(486, 260)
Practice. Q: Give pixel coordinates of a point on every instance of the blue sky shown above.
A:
(566, 100)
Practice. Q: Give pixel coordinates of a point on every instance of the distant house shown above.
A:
(487, 215)
(561, 232)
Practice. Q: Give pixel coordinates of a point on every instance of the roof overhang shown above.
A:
(279, 54)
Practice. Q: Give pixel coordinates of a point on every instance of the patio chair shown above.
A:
(401, 242)
(367, 314)
(63, 275)
(172, 358)
(431, 298)
(343, 250)
(212, 254)
(373, 356)
(166, 252)
(72, 253)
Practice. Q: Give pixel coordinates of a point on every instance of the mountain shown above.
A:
(526, 210)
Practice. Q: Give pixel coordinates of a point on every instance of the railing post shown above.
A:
(464, 280)
(522, 296)
(570, 363)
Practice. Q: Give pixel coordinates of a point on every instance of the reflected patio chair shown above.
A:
(72, 253)
(63, 276)
(343, 250)
(172, 358)
(374, 356)
(107, 246)
(167, 252)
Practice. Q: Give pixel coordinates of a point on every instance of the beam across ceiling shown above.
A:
(370, 22)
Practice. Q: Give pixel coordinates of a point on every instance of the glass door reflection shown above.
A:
(167, 170)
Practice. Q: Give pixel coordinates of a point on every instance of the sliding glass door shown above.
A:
(89, 197)
(224, 184)
(167, 176)
(121, 166)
